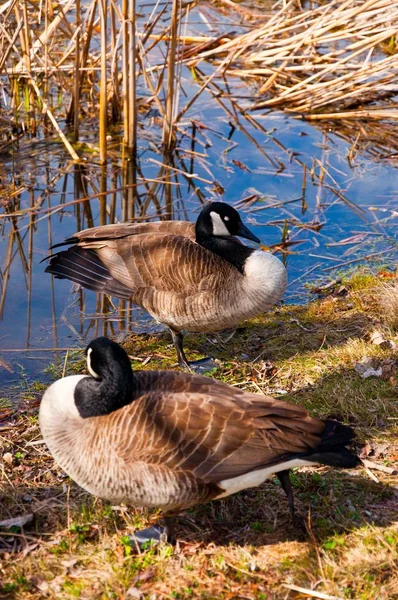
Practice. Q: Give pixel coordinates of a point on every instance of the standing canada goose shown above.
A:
(194, 277)
(172, 440)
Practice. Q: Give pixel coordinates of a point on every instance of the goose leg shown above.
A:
(182, 359)
(285, 482)
(169, 528)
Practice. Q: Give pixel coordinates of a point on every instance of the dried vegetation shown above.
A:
(333, 61)
(389, 302)
(324, 59)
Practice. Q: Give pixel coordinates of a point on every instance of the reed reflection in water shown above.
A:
(292, 191)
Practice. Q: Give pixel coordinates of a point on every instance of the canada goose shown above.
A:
(172, 440)
(194, 277)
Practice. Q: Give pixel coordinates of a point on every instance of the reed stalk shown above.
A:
(125, 73)
(132, 124)
(115, 99)
(6, 272)
(168, 126)
(76, 90)
(103, 9)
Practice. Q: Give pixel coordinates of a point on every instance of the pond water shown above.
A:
(289, 179)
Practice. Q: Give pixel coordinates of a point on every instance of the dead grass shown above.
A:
(344, 541)
(325, 59)
(389, 303)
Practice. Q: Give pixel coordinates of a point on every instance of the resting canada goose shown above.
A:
(172, 440)
(188, 277)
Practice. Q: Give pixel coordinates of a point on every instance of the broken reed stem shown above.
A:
(6, 271)
(61, 134)
(52, 29)
(89, 28)
(168, 126)
(11, 43)
(46, 64)
(115, 66)
(24, 41)
(132, 134)
(375, 114)
(125, 73)
(76, 90)
(103, 7)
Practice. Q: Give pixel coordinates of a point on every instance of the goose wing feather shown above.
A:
(195, 425)
(123, 230)
(161, 261)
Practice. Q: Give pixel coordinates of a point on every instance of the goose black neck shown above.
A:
(227, 247)
(95, 397)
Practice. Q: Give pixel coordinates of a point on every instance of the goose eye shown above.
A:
(226, 218)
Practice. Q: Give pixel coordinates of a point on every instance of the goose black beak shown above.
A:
(244, 232)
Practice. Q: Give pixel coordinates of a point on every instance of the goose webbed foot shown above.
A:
(203, 365)
(284, 478)
(154, 535)
(150, 536)
(198, 366)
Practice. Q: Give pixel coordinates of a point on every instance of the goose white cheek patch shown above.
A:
(90, 369)
(219, 227)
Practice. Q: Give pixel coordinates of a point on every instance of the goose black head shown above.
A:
(111, 384)
(221, 220)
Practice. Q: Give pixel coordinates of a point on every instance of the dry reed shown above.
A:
(89, 56)
(327, 63)
(319, 58)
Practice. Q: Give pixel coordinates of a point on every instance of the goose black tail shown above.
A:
(332, 449)
(84, 267)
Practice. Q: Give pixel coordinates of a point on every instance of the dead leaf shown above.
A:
(218, 188)
(241, 165)
(368, 367)
(341, 291)
(326, 289)
(134, 592)
(378, 338)
(365, 450)
(40, 584)
(389, 369)
(7, 457)
(379, 450)
(69, 564)
(5, 366)
(267, 367)
(145, 575)
(29, 548)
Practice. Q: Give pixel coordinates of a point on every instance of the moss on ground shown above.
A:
(344, 540)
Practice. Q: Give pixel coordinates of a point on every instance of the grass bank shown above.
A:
(344, 542)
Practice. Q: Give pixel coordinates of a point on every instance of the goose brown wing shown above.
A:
(162, 261)
(124, 230)
(213, 431)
